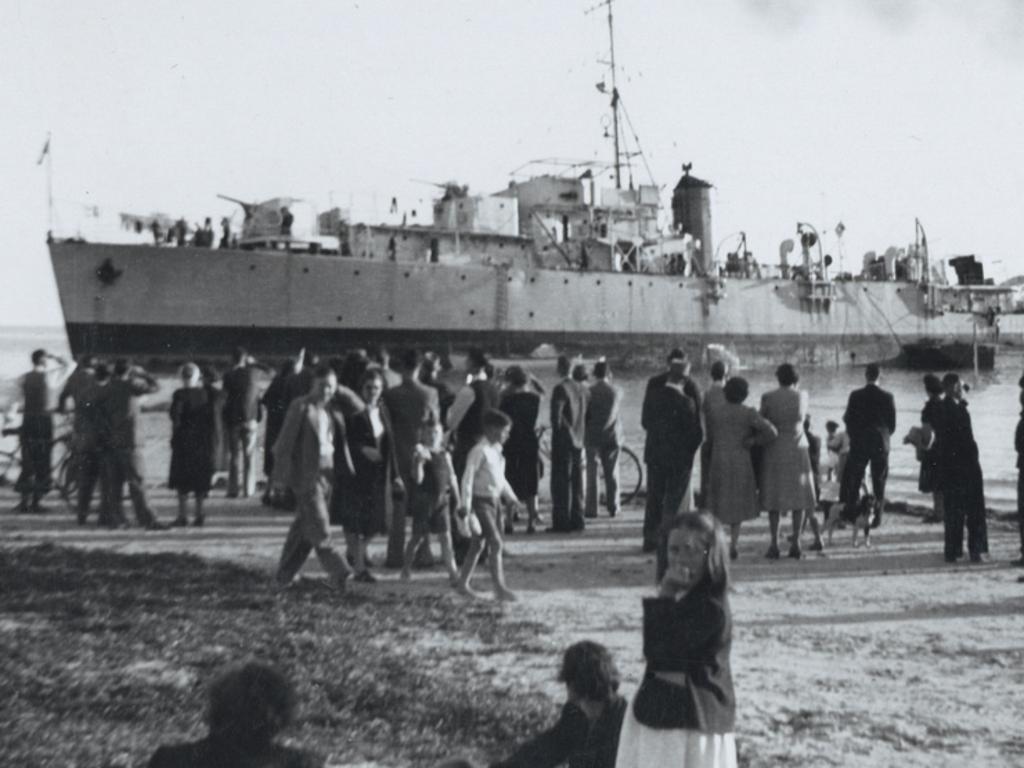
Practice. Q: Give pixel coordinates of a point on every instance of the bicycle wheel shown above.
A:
(631, 475)
(66, 479)
(9, 466)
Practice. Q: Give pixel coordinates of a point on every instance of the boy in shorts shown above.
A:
(434, 481)
(484, 488)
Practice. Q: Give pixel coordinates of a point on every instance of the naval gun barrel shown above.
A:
(247, 208)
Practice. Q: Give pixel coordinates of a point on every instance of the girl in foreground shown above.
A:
(685, 710)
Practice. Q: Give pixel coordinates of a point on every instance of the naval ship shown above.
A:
(552, 262)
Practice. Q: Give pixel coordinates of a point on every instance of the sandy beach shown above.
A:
(860, 657)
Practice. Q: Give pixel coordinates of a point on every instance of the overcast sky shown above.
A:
(870, 112)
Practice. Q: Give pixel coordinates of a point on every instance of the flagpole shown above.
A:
(49, 183)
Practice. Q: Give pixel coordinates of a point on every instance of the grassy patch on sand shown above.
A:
(104, 656)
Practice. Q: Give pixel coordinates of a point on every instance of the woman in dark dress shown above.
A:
(275, 405)
(522, 450)
(215, 392)
(192, 444)
(360, 503)
(931, 416)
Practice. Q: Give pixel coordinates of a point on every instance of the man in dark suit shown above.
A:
(650, 418)
(602, 438)
(870, 421)
(242, 414)
(960, 476)
(568, 421)
(674, 436)
(406, 406)
(91, 460)
(119, 412)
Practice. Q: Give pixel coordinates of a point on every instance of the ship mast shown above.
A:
(615, 90)
(615, 95)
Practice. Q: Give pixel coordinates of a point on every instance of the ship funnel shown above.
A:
(691, 213)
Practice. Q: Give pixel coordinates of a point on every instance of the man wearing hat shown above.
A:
(665, 472)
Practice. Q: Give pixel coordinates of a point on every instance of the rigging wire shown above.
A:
(636, 139)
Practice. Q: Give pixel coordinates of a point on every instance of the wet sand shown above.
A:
(876, 657)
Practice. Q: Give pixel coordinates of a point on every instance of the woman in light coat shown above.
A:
(786, 481)
(733, 487)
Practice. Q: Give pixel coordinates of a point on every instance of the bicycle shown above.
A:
(631, 472)
(63, 462)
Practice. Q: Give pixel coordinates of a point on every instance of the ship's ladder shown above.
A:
(501, 298)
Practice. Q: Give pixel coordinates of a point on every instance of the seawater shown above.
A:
(993, 402)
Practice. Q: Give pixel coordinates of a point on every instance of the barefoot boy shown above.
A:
(484, 487)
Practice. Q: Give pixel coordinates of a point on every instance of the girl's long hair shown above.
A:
(711, 532)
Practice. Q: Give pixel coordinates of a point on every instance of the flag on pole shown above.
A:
(45, 152)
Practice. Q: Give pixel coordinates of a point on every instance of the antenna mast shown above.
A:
(615, 96)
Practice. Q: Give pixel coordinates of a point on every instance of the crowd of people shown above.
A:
(465, 465)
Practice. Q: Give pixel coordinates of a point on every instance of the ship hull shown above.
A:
(182, 303)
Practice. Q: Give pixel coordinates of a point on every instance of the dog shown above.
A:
(860, 516)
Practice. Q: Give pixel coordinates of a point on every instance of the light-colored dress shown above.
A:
(733, 494)
(643, 747)
(787, 482)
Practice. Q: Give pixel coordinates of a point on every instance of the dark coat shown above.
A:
(408, 405)
(870, 420)
(649, 414)
(931, 416)
(241, 396)
(957, 452)
(694, 636)
(209, 753)
(674, 431)
(276, 406)
(1018, 442)
(574, 740)
(193, 440)
(119, 411)
(368, 474)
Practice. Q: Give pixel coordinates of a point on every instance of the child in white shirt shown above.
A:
(484, 487)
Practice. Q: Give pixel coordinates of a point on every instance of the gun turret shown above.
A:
(247, 208)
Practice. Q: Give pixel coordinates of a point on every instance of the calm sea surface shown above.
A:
(993, 403)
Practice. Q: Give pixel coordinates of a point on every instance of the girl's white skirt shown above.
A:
(643, 747)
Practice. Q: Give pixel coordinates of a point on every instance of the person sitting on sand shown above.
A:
(484, 487)
(249, 705)
(684, 713)
(434, 482)
(587, 732)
